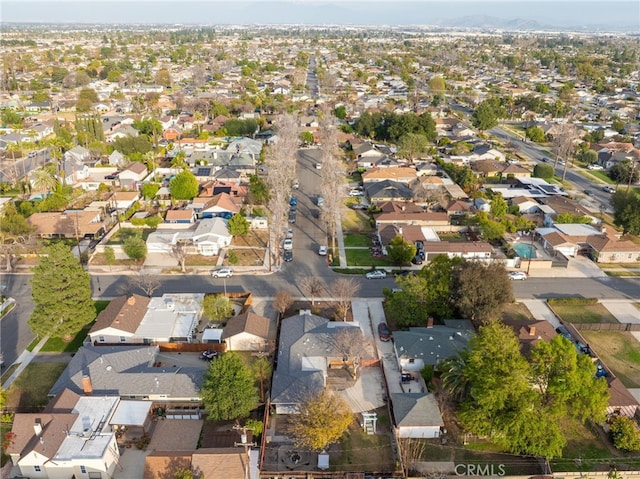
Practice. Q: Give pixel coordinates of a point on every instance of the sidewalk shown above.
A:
(23, 361)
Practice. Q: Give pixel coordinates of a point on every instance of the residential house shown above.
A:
(478, 250)
(222, 205)
(552, 206)
(458, 208)
(529, 332)
(606, 249)
(621, 401)
(131, 372)
(427, 169)
(489, 167)
(567, 239)
(118, 322)
(513, 170)
(388, 190)
(210, 463)
(73, 171)
(69, 224)
(71, 438)
(122, 131)
(525, 204)
(246, 332)
(421, 346)
(404, 175)
(133, 175)
(399, 216)
(117, 159)
(306, 352)
(211, 235)
(416, 415)
(180, 217)
(77, 153)
(123, 200)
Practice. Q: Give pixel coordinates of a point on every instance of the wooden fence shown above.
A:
(607, 326)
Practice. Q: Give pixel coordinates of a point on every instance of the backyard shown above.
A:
(620, 351)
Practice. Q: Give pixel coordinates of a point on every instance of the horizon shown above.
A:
(599, 15)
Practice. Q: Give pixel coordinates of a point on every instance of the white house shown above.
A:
(211, 235)
(60, 443)
(246, 332)
(416, 415)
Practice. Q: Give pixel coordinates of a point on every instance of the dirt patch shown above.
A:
(255, 238)
(244, 257)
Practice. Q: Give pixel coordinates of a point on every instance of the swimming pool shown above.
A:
(524, 250)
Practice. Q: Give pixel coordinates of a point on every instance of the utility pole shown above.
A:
(247, 445)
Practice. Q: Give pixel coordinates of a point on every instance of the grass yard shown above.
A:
(29, 391)
(199, 260)
(620, 351)
(245, 257)
(601, 175)
(255, 238)
(357, 240)
(354, 222)
(360, 451)
(584, 313)
(98, 259)
(123, 233)
(57, 345)
(363, 257)
(516, 312)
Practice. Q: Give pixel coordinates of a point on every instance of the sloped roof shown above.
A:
(230, 463)
(247, 322)
(416, 409)
(122, 313)
(435, 343)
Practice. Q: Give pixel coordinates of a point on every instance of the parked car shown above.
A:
(318, 166)
(595, 167)
(289, 234)
(296, 184)
(609, 189)
(222, 272)
(383, 332)
(287, 255)
(359, 206)
(376, 274)
(564, 332)
(320, 201)
(588, 192)
(293, 201)
(353, 193)
(417, 259)
(517, 275)
(322, 251)
(288, 244)
(292, 217)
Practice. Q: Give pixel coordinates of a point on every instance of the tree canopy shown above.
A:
(626, 207)
(229, 390)
(400, 252)
(485, 116)
(61, 292)
(184, 186)
(323, 419)
(238, 225)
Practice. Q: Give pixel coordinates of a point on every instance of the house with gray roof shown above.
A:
(429, 345)
(416, 415)
(131, 372)
(306, 351)
(388, 190)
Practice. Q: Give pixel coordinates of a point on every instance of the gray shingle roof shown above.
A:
(416, 409)
(433, 344)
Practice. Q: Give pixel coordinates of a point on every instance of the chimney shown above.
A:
(131, 300)
(532, 330)
(87, 387)
(37, 427)
(429, 322)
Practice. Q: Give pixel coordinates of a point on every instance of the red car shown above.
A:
(383, 332)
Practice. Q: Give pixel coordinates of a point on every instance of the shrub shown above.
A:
(135, 248)
(572, 301)
(232, 257)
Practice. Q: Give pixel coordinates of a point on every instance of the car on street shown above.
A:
(320, 201)
(289, 234)
(354, 193)
(322, 250)
(609, 189)
(293, 201)
(292, 217)
(595, 167)
(376, 274)
(588, 192)
(318, 166)
(296, 184)
(383, 332)
(223, 272)
(359, 206)
(287, 255)
(417, 259)
(288, 244)
(517, 275)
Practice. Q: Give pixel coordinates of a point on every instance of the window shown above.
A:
(412, 360)
(83, 469)
(37, 468)
(123, 339)
(101, 339)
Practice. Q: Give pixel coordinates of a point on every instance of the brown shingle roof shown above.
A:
(159, 465)
(530, 332)
(136, 167)
(53, 433)
(230, 463)
(603, 243)
(63, 402)
(247, 322)
(68, 224)
(174, 215)
(123, 313)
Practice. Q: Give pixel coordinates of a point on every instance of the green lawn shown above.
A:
(517, 312)
(360, 451)
(620, 351)
(123, 233)
(57, 345)
(357, 240)
(584, 313)
(363, 257)
(354, 222)
(29, 390)
(601, 175)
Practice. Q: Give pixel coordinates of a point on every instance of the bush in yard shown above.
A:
(232, 257)
(238, 225)
(624, 433)
(135, 248)
(542, 170)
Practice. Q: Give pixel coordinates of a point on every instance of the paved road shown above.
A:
(12, 171)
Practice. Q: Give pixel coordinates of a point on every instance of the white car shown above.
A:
(224, 272)
(296, 184)
(595, 167)
(288, 244)
(318, 166)
(376, 274)
(356, 193)
(322, 251)
(517, 275)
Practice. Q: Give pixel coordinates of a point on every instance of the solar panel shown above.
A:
(203, 172)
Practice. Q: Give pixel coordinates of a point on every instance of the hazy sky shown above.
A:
(377, 12)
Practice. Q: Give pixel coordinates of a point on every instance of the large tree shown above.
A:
(229, 390)
(323, 419)
(61, 293)
(184, 186)
(400, 252)
(626, 207)
(481, 290)
(485, 116)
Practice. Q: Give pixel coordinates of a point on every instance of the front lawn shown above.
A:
(244, 257)
(123, 233)
(363, 257)
(583, 313)
(620, 351)
(57, 345)
(516, 312)
(357, 240)
(354, 222)
(29, 391)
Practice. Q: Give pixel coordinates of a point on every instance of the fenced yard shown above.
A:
(620, 351)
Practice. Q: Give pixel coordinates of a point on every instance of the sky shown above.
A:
(587, 14)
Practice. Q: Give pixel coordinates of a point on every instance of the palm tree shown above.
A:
(454, 379)
(43, 180)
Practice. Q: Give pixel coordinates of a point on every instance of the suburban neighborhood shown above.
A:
(374, 252)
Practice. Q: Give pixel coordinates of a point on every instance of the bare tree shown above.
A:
(312, 286)
(282, 301)
(564, 144)
(343, 290)
(352, 345)
(147, 282)
(179, 252)
(411, 451)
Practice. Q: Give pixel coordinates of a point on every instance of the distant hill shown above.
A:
(485, 21)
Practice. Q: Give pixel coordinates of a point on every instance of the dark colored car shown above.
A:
(292, 217)
(383, 332)
(564, 332)
(287, 255)
(417, 259)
